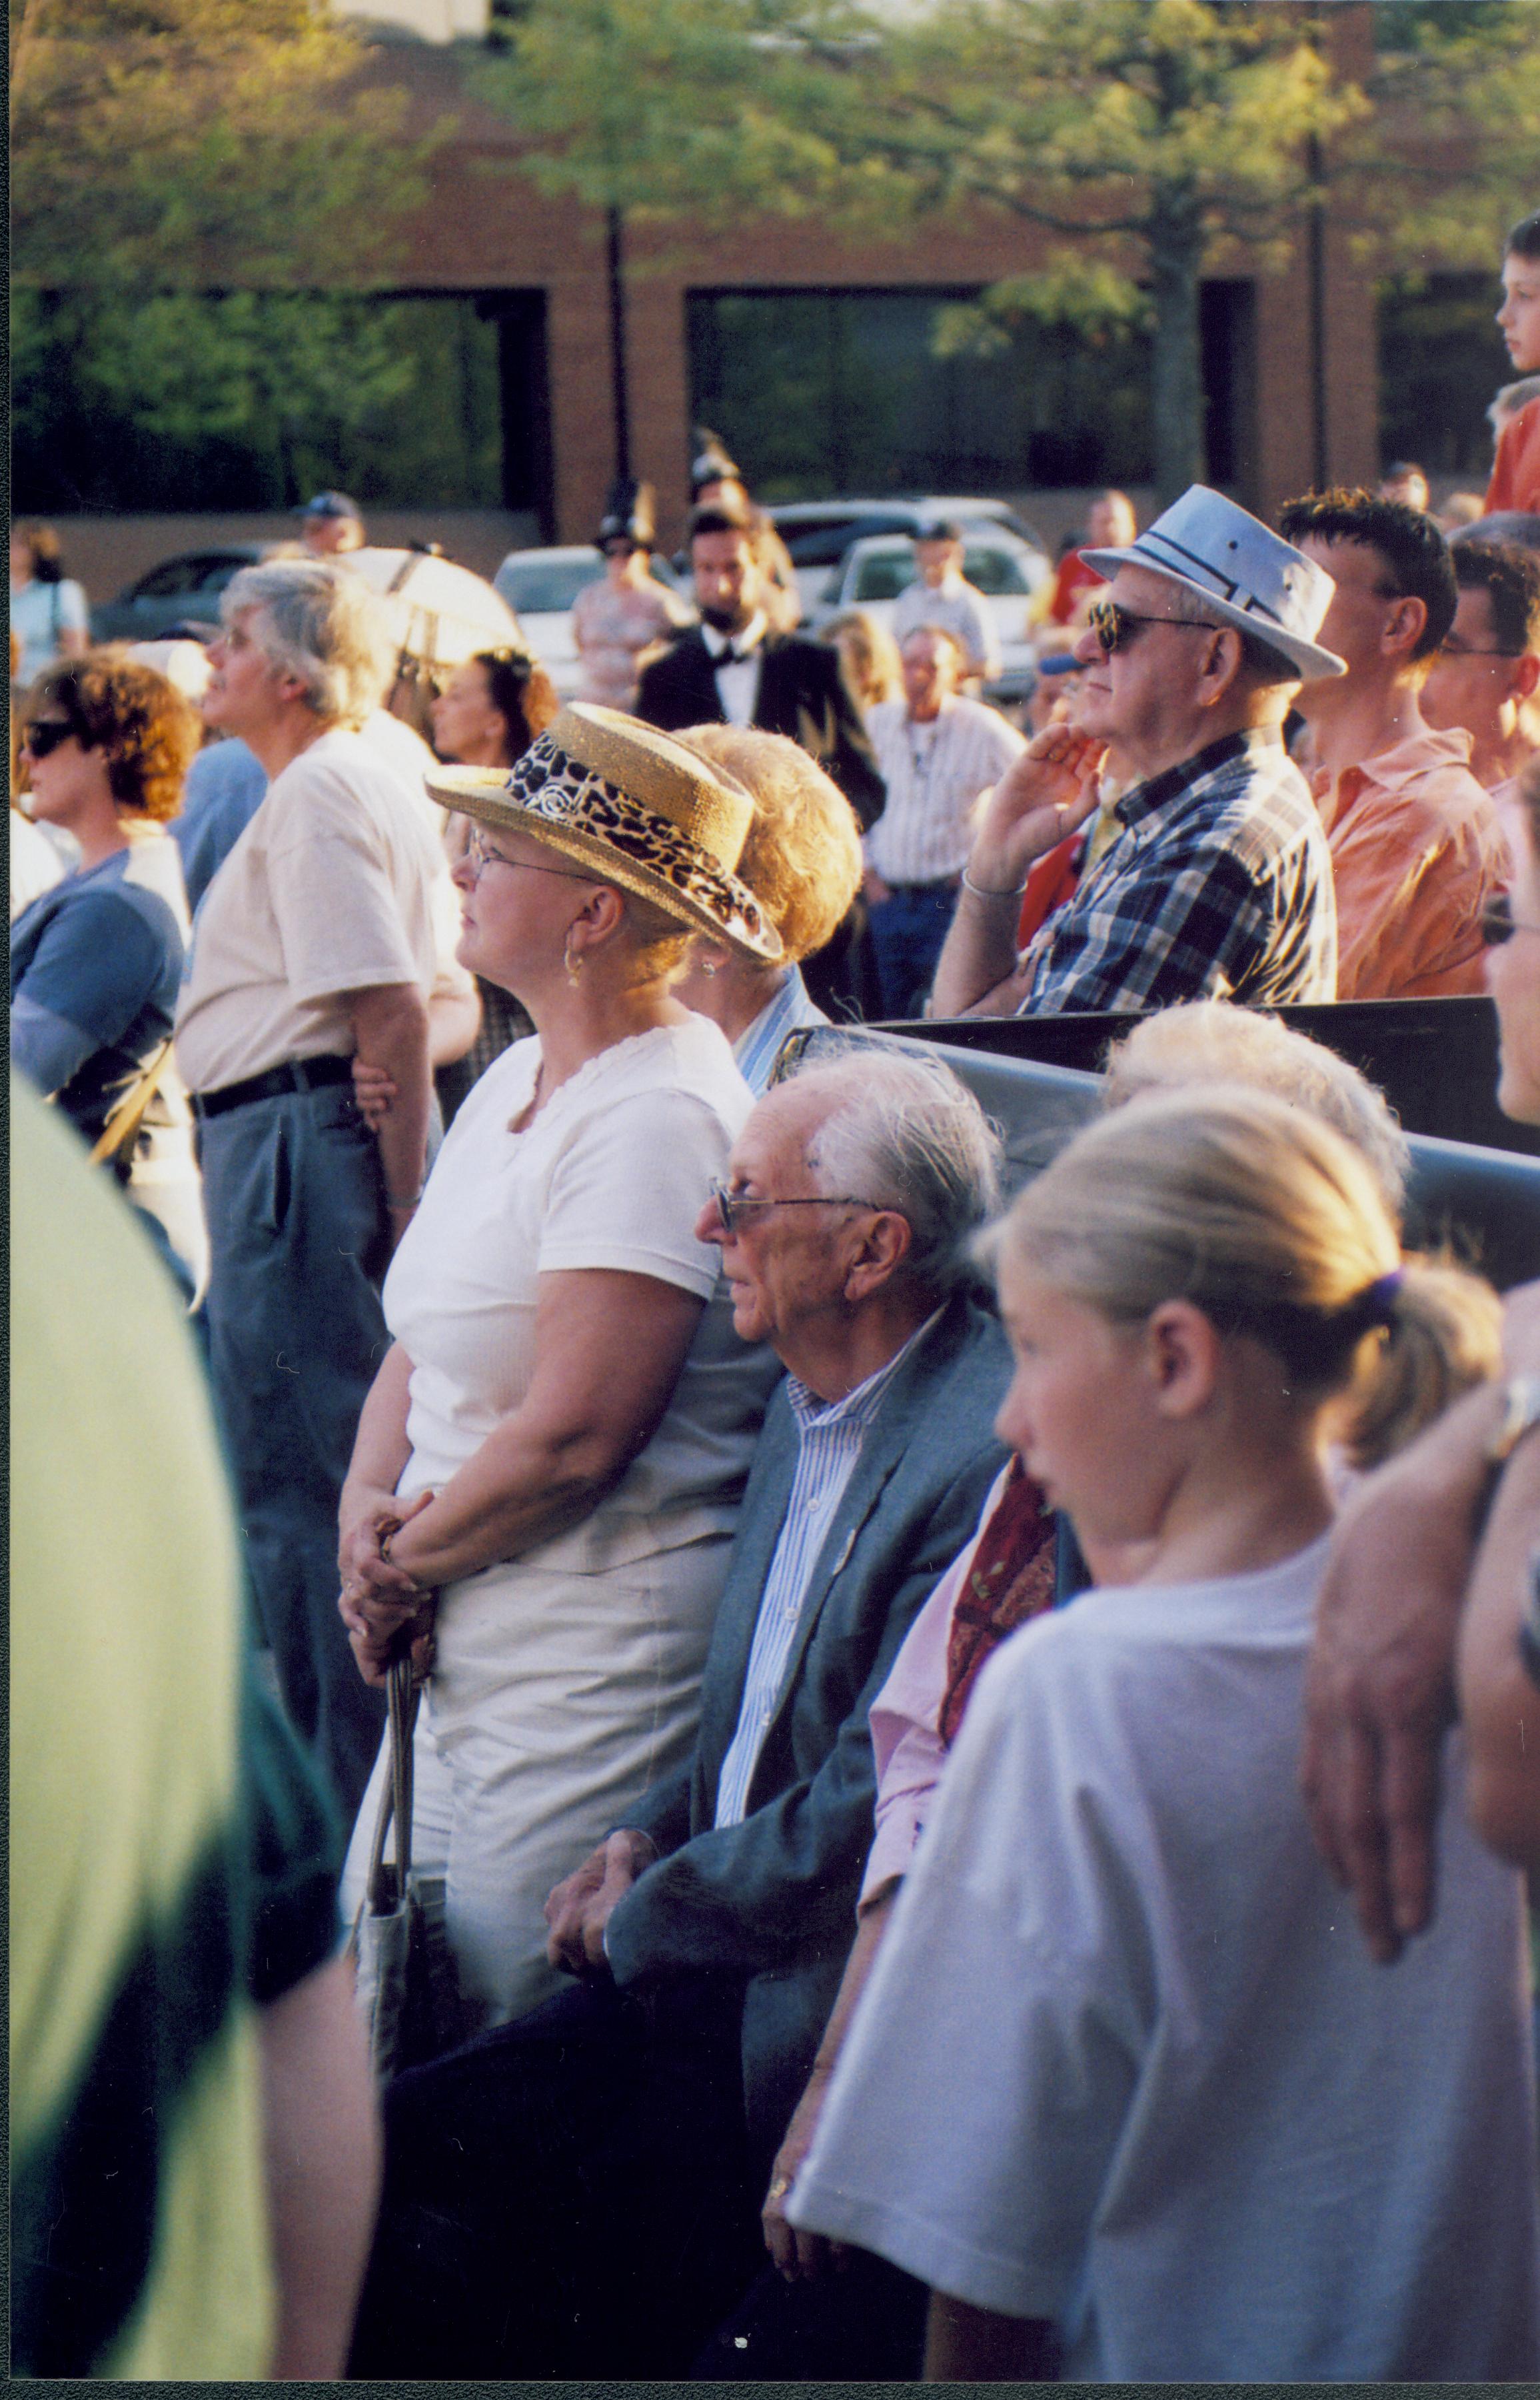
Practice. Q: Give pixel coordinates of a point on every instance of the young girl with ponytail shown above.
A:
(1123, 2069)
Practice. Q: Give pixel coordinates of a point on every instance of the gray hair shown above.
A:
(906, 1134)
(321, 623)
(1202, 1042)
(1265, 665)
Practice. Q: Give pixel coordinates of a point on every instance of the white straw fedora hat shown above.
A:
(1247, 576)
(636, 809)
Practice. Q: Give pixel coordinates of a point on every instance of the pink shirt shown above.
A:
(1417, 849)
(905, 1719)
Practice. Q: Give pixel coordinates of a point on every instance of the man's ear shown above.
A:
(1405, 624)
(1525, 674)
(884, 1245)
(1220, 666)
(1182, 1354)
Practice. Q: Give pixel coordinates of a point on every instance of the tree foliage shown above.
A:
(198, 143)
(1150, 139)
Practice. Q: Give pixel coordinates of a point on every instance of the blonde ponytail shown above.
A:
(1444, 1337)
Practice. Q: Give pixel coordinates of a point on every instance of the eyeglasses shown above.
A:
(1499, 924)
(733, 1207)
(1457, 649)
(480, 858)
(1114, 626)
(45, 734)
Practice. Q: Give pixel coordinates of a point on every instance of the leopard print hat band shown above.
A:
(634, 806)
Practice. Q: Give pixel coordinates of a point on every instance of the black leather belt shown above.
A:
(295, 1075)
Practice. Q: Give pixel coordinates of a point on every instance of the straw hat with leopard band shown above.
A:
(636, 809)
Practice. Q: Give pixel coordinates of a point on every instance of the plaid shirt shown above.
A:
(1217, 886)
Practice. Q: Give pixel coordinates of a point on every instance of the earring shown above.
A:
(708, 966)
(573, 966)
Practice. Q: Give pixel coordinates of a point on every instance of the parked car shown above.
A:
(998, 565)
(540, 586)
(818, 533)
(180, 591)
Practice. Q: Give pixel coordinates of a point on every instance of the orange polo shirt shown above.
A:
(1417, 848)
(1516, 469)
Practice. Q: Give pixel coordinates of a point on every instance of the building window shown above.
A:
(1441, 359)
(820, 393)
(253, 401)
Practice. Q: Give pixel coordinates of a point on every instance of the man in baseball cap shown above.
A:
(330, 525)
(1218, 882)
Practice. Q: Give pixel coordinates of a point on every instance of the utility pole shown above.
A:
(614, 227)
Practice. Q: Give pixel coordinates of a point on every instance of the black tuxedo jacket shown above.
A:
(802, 693)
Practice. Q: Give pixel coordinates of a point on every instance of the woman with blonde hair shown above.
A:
(867, 653)
(1123, 2084)
(802, 862)
(548, 1467)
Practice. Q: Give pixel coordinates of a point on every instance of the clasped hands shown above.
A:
(379, 1599)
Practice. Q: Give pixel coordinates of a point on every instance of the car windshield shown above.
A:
(545, 587)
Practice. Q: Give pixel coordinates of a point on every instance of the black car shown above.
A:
(179, 590)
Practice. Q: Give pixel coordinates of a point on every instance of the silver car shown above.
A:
(1003, 569)
(540, 586)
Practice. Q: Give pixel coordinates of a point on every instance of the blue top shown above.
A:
(94, 969)
(225, 788)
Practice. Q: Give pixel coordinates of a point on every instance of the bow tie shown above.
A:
(736, 653)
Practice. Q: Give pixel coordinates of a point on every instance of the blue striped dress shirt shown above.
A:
(830, 1447)
(758, 1045)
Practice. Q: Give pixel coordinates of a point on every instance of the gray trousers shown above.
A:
(299, 1241)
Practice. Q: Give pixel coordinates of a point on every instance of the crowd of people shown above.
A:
(675, 1425)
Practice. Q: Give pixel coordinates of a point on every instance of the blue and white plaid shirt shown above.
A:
(830, 1436)
(1218, 887)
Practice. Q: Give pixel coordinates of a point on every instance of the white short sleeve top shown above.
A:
(1126, 2063)
(611, 1173)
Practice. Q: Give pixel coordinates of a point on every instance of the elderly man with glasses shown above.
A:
(577, 2194)
(1219, 884)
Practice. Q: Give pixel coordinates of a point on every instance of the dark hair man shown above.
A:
(1516, 471)
(734, 668)
(1416, 847)
(1486, 672)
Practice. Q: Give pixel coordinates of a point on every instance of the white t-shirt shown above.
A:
(611, 1173)
(333, 887)
(1126, 2063)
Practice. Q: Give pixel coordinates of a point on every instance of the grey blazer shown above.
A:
(772, 1899)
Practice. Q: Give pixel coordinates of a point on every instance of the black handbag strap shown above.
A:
(386, 1885)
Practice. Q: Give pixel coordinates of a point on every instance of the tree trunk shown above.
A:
(1176, 262)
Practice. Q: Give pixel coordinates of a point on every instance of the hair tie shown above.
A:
(1377, 1304)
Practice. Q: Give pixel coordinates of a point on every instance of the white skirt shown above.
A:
(556, 1700)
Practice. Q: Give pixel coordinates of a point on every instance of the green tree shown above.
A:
(1156, 138)
(194, 144)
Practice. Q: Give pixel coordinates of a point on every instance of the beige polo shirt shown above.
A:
(334, 886)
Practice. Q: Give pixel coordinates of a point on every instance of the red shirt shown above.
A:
(1075, 576)
(1516, 471)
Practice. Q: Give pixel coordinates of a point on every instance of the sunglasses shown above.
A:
(1499, 924)
(1115, 627)
(45, 734)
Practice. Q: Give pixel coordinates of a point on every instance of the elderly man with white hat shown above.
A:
(1219, 884)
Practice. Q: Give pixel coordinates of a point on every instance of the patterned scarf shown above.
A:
(1011, 1579)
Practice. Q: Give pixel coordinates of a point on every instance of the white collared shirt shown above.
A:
(737, 675)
